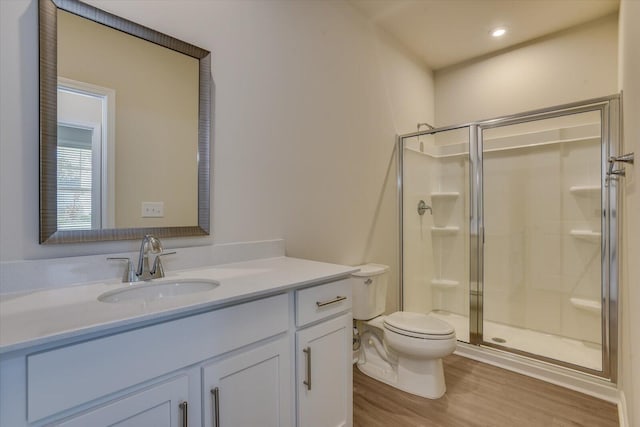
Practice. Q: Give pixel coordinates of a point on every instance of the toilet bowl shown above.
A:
(403, 349)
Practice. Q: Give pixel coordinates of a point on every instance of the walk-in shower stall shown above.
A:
(509, 232)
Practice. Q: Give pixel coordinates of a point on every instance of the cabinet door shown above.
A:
(249, 389)
(324, 374)
(158, 406)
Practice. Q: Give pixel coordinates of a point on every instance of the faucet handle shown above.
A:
(129, 274)
(158, 270)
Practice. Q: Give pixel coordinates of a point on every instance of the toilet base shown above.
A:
(382, 374)
(422, 377)
(429, 383)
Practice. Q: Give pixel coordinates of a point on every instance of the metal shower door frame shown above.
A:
(609, 109)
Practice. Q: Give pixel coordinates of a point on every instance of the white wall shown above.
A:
(308, 99)
(630, 293)
(566, 67)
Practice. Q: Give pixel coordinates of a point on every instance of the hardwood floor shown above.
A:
(478, 395)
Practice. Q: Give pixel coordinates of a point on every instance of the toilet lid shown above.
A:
(418, 323)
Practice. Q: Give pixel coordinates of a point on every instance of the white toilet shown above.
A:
(403, 349)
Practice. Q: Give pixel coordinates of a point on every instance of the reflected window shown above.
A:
(84, 155)
(78, 174)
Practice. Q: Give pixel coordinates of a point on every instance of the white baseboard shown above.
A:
(623, 415)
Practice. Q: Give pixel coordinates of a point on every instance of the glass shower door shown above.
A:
(435, 226)
(543, 217)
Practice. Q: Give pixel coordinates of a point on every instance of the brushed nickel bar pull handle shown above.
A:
(307, 382)
(184, 406)
(333, 301)
(215, 406)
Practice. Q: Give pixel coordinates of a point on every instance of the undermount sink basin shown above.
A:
(157, 290)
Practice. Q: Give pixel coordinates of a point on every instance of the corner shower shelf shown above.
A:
(444, 231)
(585, 190)
(444, 195)
(444, 283)
(590, 235)
(593, 306)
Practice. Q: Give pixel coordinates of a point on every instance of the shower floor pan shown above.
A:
(581, 353)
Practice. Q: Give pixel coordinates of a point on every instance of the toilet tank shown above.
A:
(369, 286)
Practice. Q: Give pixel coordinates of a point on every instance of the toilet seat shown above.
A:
(418, 325)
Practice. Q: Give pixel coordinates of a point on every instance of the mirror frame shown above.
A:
(49, 232)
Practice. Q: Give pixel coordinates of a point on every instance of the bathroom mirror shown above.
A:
(125, 115)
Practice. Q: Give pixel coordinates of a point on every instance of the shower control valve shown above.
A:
(423, 207)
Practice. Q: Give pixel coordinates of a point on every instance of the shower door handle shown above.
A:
(625, 158)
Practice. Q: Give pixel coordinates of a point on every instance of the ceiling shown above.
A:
(446, 32)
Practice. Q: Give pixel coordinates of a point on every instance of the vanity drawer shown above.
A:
(319, 302)
(63, 378)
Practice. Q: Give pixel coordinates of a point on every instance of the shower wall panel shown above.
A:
(436, 243)
(417, 243)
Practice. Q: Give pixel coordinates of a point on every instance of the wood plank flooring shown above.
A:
(478, 394)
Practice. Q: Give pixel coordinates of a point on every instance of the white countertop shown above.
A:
(42, 317)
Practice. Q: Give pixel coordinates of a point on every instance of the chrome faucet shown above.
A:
(150, 244)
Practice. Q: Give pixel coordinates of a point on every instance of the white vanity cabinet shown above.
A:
(252, 388)
(142, 377)
(277, 357)
(162, 405)
(324, 356)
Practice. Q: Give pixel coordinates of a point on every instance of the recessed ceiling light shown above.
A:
(498, 32)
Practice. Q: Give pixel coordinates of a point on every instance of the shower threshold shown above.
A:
(576, 352)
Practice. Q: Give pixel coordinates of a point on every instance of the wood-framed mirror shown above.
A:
(125, 128)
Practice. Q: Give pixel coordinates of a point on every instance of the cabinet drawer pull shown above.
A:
(184, 406)
(332, 301)
(307, 353)
(215, 406)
